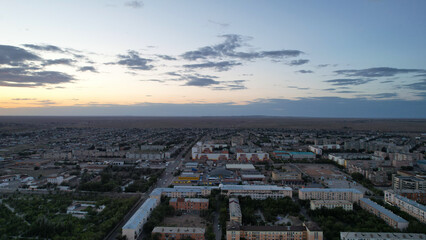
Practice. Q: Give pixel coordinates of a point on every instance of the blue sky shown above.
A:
(183, 58)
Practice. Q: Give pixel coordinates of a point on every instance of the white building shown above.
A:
(330, 204)
(409, 206)
(348, 194)
(133, 228)
(256, 191)
(381, 236)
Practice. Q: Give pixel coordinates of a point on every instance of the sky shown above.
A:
(313, 58)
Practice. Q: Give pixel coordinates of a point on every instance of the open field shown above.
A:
(10, 123)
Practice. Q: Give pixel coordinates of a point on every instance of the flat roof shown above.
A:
(381, 235)
(191, 200)
(353, 190)
(331, 202)
(274, 228)
(240, 166)
(411, 202)
(383, 210)
(185, 230)
(254, 187)
(141, 213)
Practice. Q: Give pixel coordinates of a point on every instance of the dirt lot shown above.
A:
(186, 220)
(321, 171)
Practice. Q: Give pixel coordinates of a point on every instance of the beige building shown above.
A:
(318, 204)
(348, 194)
(177, 233)
(307, 232)
(409, 206)
(278, 176)
(235, 210)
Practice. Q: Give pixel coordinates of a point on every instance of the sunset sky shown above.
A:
(213, 58)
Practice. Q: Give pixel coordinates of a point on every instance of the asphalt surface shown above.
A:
(164, 181)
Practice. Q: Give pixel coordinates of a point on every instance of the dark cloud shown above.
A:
(219, 23)
(48, 48)
(175, 74)
(421, 86)
(219, 66)
(323, 65)
(329, 89)
(377, 72)
(298, 62)
(200, 81)
(87, 68)
(348, 81)
(232, 85)
(45, 102)
(153, 80)
(23, 99)
(298, 88)
(347, 91)
(305, 71)
(15, 56)
(60, 61)
(167, 57)
(133, 61)
(228, 49)
(387, 81)
(134, 4)
(21, 77)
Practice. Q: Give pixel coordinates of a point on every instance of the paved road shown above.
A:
(163, 181)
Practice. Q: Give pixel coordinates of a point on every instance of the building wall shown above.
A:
(391, 222)
(321, 195)
(189, 205)
(346, 205)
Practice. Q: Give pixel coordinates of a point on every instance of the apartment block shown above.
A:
(256, 191)
(408, 182)
(235, 211)
(409, 206)
(189, 204)
(381, 236)
(330, 204)
(389, 217)
(177, 233)
(348, 194)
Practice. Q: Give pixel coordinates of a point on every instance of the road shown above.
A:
(163, 181)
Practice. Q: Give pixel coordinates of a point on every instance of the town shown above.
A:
(212, 183)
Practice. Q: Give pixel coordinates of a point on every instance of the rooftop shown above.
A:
(353, 190)
(142, 213)
(186, 230)
(381, 235)
(411, 202)
(383, 210)
(254, 187)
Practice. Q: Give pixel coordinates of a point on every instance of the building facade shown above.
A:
(330, 204)
(409, 206)
(381, 236)
(189, 204)
(348, 194)
(177, 233)
(256, 191)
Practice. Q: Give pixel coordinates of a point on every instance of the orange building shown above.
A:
(177, 233)
(189, 204)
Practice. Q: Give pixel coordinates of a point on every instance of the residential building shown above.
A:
(189, 204)
(133, 228)
(381, 236)
(409, 206)
(318, 204)
(177, 233)
(389, 217)
(408, 182)
(256, 191)
(348, 194)
(252, 157)
(235, 211)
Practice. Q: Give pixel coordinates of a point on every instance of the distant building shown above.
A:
(240, 167)
(177, 233)
(252, 157)
(330, 204)
(389, 217)
(408, 182)
(189, 204)
(256, 191)
(293, 155)
(206, 152)
(381, 236)
(348, 194)
(317, 149)
(409, 206)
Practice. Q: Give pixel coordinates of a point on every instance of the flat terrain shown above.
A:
(10, 123)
